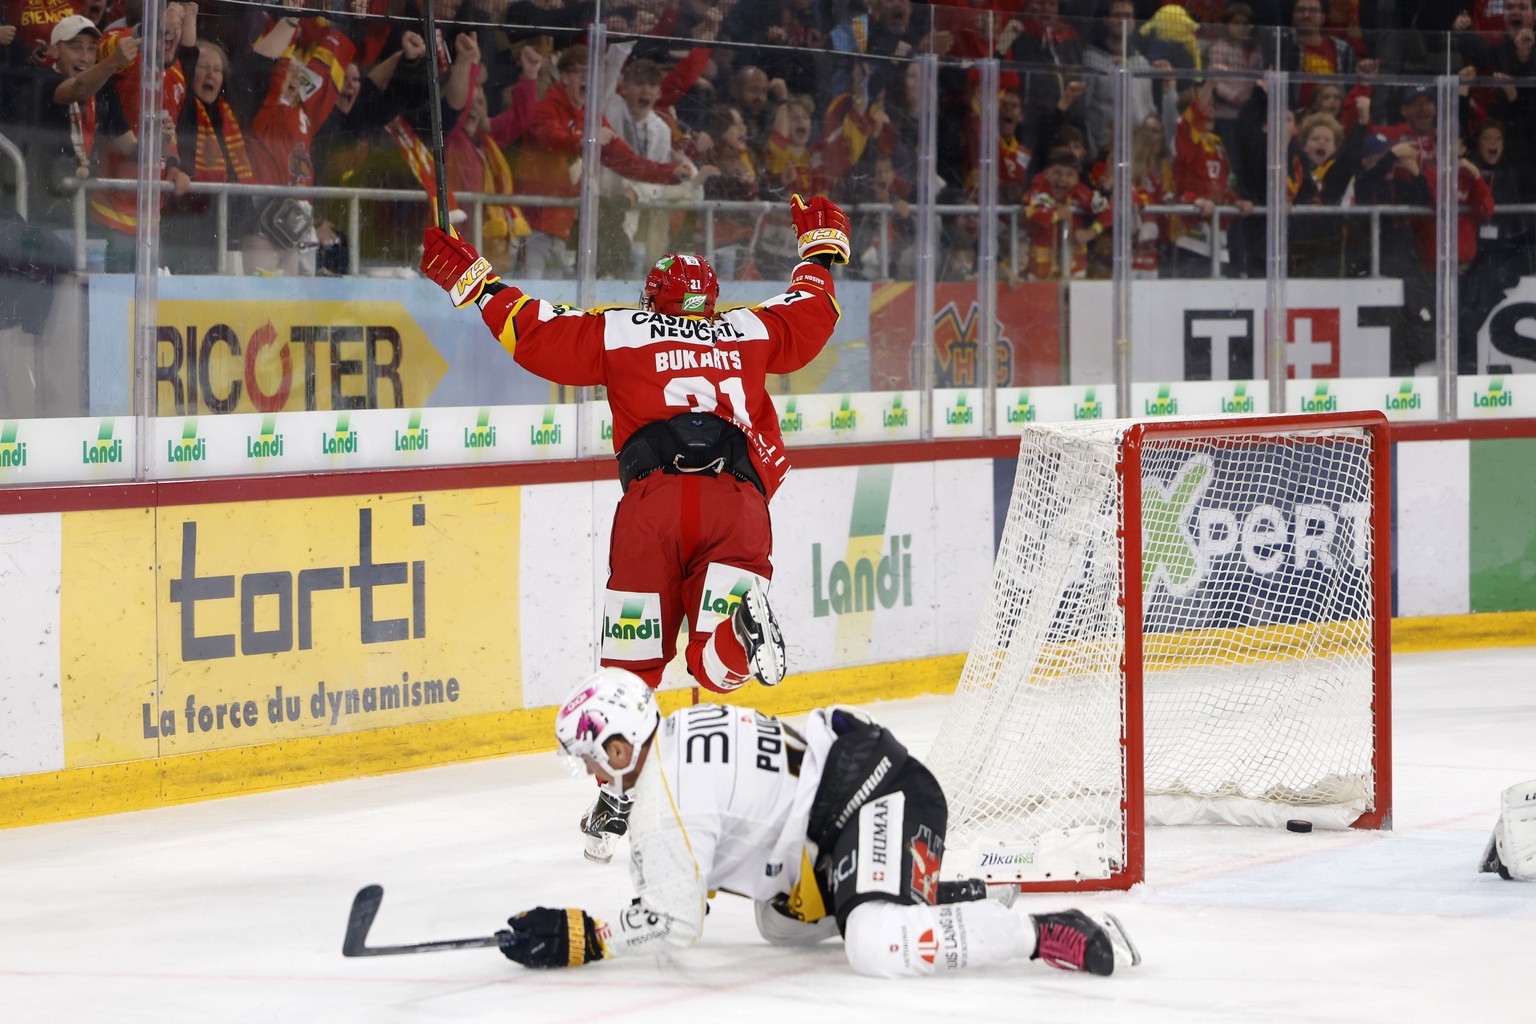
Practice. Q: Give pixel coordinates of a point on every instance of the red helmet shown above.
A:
(681, 285)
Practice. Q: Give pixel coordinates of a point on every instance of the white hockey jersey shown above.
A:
(721, 803)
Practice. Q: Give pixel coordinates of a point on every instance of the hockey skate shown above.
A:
(605, 821)
(759, 634)
(1073, 941)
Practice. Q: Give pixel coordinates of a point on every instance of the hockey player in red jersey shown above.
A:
(836, 830)
(698, 442)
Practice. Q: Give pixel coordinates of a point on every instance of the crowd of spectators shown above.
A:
(710, 103)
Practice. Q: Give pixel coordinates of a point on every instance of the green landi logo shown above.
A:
(726, 604)
(1407, 397)
(546, 433)
(693, 302)
(960, 413)
(105, 449)
(896, 415)
(482, 434)
(605, 429)
(844, 417)
(1164, 404)
(342, 440)
(13, 453)
(1021, 411)
(415, 438)
(1321, 400)
(1241, 400)
(845, 588)
(631, 624)
(268, 444)
(190, 447)
(793, 420)
(1090, 408)
(1495, 397)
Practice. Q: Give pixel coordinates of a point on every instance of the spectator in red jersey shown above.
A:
(1062, 217)
(544, 166)
(287, 87)
(1203, 178)
(118, 211)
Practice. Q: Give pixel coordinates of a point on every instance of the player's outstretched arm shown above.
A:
(821, 228)
(552, 937)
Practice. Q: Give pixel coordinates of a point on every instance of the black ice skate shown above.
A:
(759, 634)
(605, 821)
(1073, 941)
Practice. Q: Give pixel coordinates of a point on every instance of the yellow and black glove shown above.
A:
(552, 937)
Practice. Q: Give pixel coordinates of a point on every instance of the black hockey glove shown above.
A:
(552, 937)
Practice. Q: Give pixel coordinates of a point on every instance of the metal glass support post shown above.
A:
(146, 311)
(986, 258)
(1125, 228)
(1277, 238)
(586, 217)
(925, 269)
(1447, 258)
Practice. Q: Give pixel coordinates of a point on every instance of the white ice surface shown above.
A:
(234, 910)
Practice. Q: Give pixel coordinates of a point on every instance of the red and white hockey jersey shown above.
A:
(657, 366)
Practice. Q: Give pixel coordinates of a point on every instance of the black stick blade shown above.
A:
(365, 907)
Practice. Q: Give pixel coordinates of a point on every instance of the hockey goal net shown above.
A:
(1189, 623)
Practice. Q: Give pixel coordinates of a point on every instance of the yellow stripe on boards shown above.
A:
(158, 782)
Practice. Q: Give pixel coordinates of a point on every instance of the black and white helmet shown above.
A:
(610, 702)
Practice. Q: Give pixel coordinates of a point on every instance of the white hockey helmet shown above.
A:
(610, 702)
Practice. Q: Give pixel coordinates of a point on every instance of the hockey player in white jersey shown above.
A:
(838, 830)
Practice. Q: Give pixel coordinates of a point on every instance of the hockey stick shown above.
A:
(365, 907)
(435, 102)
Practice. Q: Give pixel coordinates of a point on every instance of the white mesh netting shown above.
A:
(1256, 622)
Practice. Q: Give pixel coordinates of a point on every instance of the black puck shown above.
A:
(1298, 825)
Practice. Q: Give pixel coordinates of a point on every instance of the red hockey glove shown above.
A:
(455, 266)
(822, 228)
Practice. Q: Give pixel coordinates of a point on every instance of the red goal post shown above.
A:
(1226, 661)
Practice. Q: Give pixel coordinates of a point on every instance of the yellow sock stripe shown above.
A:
(576, 928)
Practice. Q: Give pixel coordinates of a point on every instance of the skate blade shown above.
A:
(1120, 939)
